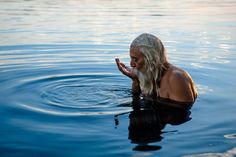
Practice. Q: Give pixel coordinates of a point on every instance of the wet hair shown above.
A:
(154, 61)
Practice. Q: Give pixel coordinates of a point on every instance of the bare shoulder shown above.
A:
(180, 85)
(178, 76)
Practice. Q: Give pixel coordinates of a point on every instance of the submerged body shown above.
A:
(153, 75)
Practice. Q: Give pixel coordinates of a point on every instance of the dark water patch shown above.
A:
(146, 148)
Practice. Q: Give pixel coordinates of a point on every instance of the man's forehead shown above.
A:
(135, 52)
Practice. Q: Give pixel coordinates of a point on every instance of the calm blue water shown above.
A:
(62, 95)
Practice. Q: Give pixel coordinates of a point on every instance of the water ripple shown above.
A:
(73, 95)
(230, 136)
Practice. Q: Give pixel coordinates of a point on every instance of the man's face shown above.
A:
(137, 60)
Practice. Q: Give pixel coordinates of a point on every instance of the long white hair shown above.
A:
(154, 58)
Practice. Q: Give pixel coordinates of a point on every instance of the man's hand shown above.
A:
(129, 72)
(125, 70)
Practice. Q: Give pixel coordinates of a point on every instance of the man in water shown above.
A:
(152, 74)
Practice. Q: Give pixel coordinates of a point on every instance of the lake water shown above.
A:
(62, 95)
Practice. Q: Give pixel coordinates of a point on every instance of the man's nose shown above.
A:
(132, 64)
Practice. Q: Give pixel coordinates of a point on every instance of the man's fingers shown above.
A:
(120, 65)
(117, 60)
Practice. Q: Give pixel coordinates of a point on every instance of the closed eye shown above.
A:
(135, 59)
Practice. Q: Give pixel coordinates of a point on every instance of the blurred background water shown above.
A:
(60, 90)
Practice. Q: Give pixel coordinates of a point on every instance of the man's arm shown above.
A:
(135, 87)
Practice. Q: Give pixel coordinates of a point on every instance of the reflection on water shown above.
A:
(229, 153)
(148, 120)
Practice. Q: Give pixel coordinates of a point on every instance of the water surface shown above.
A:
(62, 95)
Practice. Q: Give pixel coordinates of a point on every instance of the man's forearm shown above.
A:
(135, 87)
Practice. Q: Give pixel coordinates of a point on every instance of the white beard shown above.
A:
(145, 81)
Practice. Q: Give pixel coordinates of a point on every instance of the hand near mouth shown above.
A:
(126, 70)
